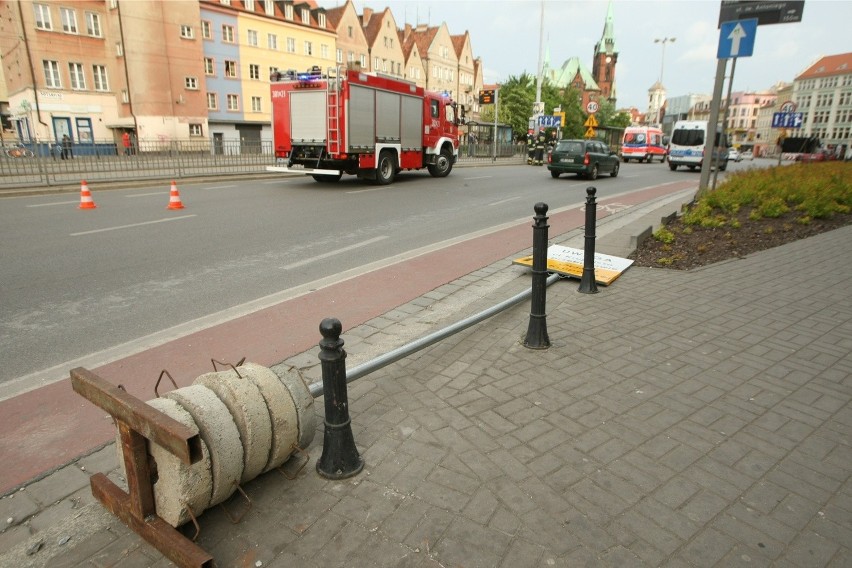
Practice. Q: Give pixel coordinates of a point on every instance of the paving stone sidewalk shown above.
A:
(695, 418)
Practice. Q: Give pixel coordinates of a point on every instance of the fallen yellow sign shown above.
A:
(569, 262)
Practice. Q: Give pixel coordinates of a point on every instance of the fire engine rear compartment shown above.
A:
(400, 121)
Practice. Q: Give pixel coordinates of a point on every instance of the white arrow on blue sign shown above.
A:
(548, 120)
(787, 119)
(736, 39)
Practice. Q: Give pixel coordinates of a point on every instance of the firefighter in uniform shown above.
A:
(530, 149)
(539, 149)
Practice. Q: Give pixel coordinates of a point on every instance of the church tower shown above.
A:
(606, 56)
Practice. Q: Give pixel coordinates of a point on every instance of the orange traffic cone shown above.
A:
(86, 197)
(174, 198)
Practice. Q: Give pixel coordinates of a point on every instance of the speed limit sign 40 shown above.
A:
(592, 107)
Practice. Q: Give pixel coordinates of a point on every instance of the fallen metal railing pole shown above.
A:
(432, 338)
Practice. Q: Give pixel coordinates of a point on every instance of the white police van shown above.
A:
(689, 142)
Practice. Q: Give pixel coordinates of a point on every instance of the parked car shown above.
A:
(734, 155)
(747, 155)
(586, 158)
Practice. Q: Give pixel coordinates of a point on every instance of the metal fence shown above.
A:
(45, 164)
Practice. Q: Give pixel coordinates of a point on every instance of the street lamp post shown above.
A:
(663, 41)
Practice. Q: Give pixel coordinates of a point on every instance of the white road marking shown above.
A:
(131, 225)
(504, 201)
(333, 253)
(480, 177)
(56, 203)
(220, 187)
(370, 189)
(147, 194)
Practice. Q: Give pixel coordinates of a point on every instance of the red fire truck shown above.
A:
(349, 121)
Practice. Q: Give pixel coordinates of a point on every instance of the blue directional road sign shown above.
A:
(786, 119)
(736, 39)
(548, 121)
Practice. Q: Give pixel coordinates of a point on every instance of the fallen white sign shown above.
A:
(569, 261)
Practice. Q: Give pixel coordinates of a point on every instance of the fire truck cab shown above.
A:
(358, 123)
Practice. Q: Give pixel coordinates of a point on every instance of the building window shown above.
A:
(228, 34)
(99, 73)
(186, 32)
(78, 78)
(272, 41)
(69, 20)
(256, 104)
(206, 30)
(231, 69)
(42, 17)
(119, 49)
(93, 24)
(269, 7)
(191, 83)
(249, 5)
(212, 101)
(51, 74)
(349, 29)
(272, 70)
(291, 45)
(125, 96)
(306, 16)
(233, 102)
(251, 38)
(324, 51)
(321, 19)
(195, 130)
(254, 71)
(209, 67)
(309, 48)
(288, 11)
(364, 61)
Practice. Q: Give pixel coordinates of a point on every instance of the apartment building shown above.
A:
(244, 42)
(80, 72)
(823, 94)
(167, 70)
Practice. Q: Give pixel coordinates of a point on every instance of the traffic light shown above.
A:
(486, 97)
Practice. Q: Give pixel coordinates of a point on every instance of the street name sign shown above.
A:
(765, 12)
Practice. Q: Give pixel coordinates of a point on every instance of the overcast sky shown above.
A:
(505, 34)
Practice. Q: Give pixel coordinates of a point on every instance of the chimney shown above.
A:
(368, 13)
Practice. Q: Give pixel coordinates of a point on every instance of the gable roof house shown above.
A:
(352, 49)
(385, 50)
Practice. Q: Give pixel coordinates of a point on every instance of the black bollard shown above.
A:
(587, 282)
(537, 331)
(340, 458)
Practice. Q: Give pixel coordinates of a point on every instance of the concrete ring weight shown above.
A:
(219, 432)
(248, 409)
(282, 412)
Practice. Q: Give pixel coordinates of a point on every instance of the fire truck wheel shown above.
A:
(386, 169)
(443, 166)
(327, 178)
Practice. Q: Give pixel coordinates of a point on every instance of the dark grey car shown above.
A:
(582, 157)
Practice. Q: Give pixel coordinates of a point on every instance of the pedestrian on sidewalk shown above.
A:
(66, 148)
(125, 140)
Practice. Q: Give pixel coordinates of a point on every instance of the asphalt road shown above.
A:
(131, 273)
